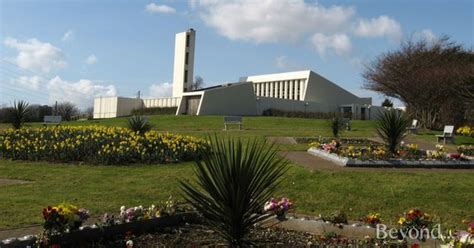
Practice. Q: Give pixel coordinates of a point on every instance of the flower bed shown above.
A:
(104, 145)
(377, 156)
(343, 141)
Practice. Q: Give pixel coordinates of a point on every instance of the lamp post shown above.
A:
(305, 105)
(258, 105)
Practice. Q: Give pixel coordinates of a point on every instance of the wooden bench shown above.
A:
(232, 120)
(52, 120)
(448, 134)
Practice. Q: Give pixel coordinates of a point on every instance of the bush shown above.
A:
(299, 114)
(18, 113)
(104, 145)
(336, 125)
(391, 127)
(139, 124)
(155, 111)
(233, 183)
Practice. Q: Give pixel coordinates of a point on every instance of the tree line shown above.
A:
(36, 112)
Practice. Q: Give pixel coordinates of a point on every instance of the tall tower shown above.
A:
(183, 62)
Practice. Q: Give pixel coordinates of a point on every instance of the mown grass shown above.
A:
(101, 189)
(105, 188)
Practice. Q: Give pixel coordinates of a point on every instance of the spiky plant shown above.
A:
(139, 124)
(336, 125)
(18, 113)
(391, 127)
(233, 183)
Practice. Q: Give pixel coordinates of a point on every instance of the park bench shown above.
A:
(414, 126)
(448, 134)
(237, 120)
(52, 120)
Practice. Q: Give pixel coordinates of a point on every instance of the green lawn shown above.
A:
(448, 195)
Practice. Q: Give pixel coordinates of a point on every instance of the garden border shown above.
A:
(94, 232)
(430, 164)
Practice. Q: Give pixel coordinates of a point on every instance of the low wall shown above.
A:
(343, 161)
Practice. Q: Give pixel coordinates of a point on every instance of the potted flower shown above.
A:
(372, 219)
(278, 207)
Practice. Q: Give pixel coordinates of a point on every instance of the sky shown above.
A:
(75, 50)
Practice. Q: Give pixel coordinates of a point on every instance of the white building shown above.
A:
(292, 91)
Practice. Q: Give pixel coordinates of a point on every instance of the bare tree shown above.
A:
(67, 110)
(434, 80)
(198, 83)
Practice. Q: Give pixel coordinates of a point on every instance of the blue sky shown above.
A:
(76, 50)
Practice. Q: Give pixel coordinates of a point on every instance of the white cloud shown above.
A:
(339, 43)
(156, 8)
(161, 90)
(92, 59)
(80, 93)
(284, 63)
(272, 20)
(69, 35)
(36, 55)
(379, 27)
(427, 35)
(33, 82)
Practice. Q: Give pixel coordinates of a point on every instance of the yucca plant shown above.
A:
(18, 113)
(139, 124)
(233, 183)
(391, 127)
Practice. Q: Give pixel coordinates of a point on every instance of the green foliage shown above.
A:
(139, 124)
(391, 127)
(155, 111)
(18, 113)
(298, 114)
(336, 125)
(387, 103)
(233, 183)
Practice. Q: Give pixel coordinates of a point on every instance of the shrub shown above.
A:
(299, 114)
(233, 183)
(155, 111)
(18, 113)
(336, 125)
(391, 127)
(104, 145)
(139, 124)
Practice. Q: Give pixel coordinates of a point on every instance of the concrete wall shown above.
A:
(319, 89)
(236, 99)
(105, 107)
(111, 107)
(161, 102)
(180, 66)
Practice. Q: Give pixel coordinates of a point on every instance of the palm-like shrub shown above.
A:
(391, 127)
(139, 124)
(18, 113)
(233, 183)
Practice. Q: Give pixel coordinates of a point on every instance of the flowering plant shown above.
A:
(63, 217)
(139, 213)
(372, 219)
(460, 239)
(465, 130)
(415, 220)
(278, 207)
(467, 150)
(439, 153)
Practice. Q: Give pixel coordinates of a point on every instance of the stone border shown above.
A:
(94, 232)
(348, 162)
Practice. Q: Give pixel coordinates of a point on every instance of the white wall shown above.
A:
(237, 99)
(319, 89)
(179, 86)
(161, 102)
(111, 107)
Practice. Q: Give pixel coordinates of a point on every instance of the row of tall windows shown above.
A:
(292, 89)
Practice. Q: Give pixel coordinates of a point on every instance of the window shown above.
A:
(187, 58)
(185, 76)
(187, 40)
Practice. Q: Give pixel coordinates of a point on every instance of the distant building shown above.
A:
(291, 91)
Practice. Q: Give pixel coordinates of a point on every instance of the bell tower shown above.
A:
(183, 62)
